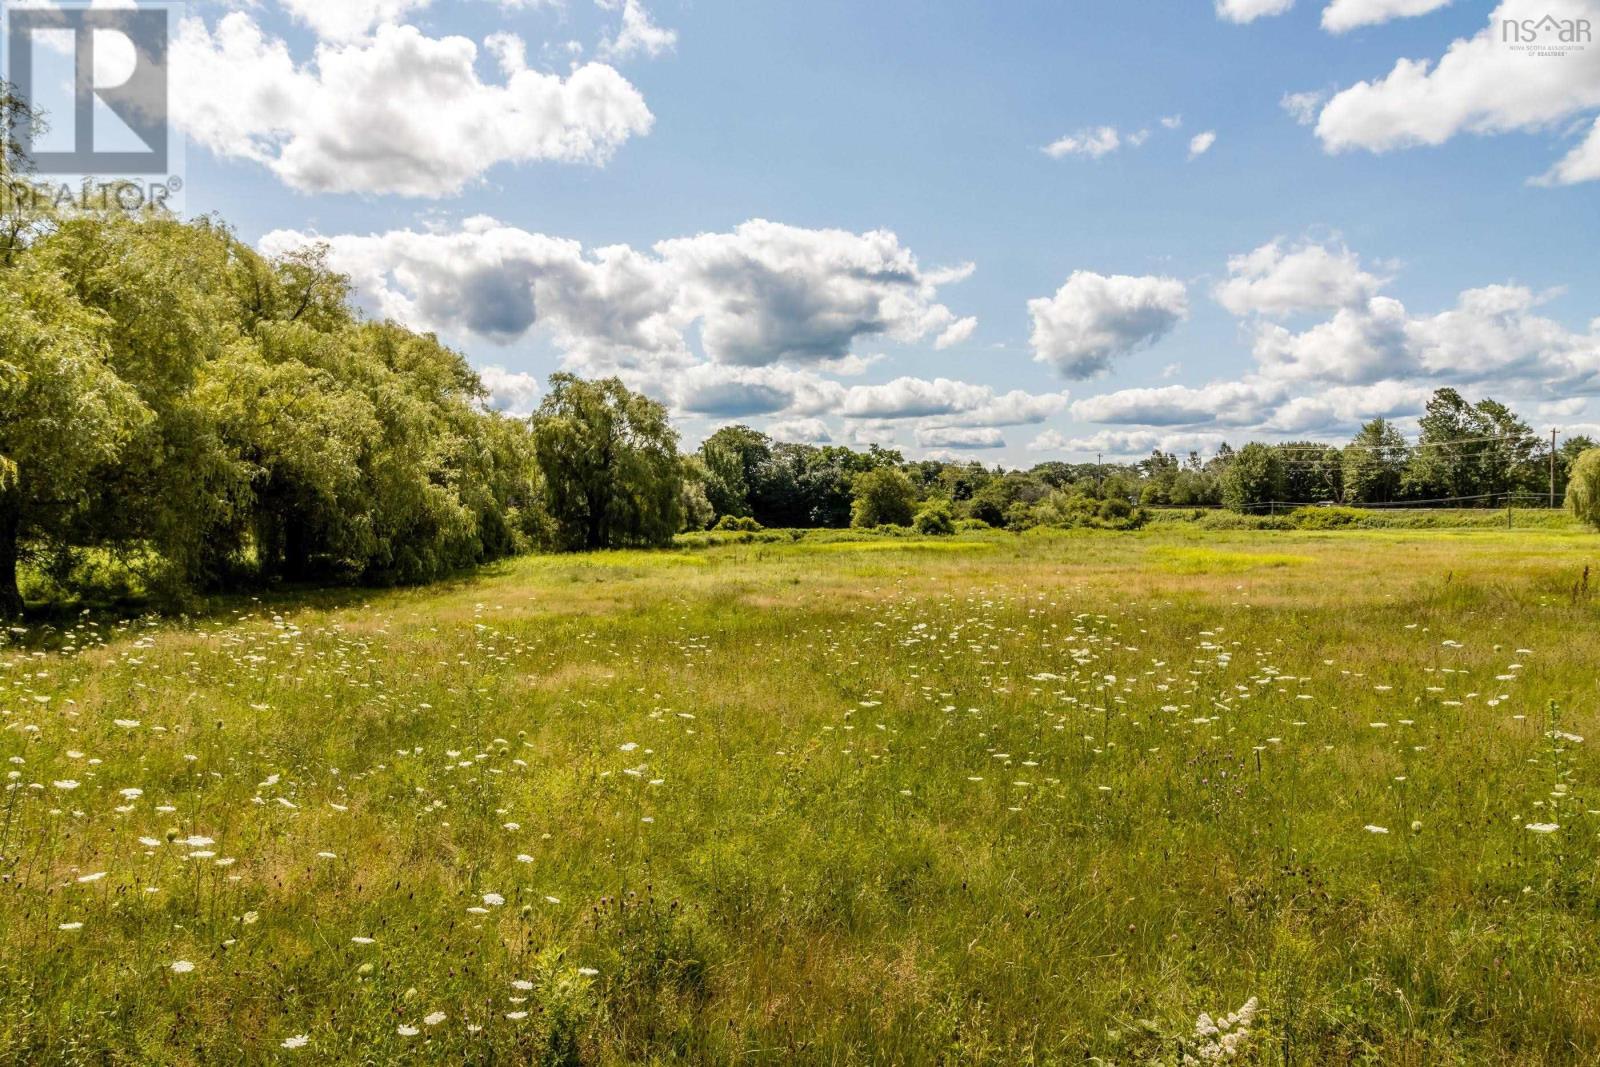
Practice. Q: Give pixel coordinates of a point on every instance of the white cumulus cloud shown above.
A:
(1093, 319)
(1343, 15)
(1274, 280)
(1250, 10)
(1480, 85)
(762, 294)
(396, 112)
(638, 35)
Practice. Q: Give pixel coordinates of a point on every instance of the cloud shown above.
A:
(1275, 281)
(956, 333)
(762, 294)
(1126, 444)
(1582, 164)
(512, 392)
(1250, 10)
(1481, 85)
(803, 431)
(958, 437)
(1240, 403)
(365, 115)
(1340, 16)
(1171, 122)
(769, 292)
(1302, 107)
(637, 35)
(1372, 357)
(953, 402)
(1495, 333)
(348, 20)
(1094, 143)
(910, 398)
(879, 433)
(739, 392)
(1357, 345)
(1093, 319)
(1201, 143)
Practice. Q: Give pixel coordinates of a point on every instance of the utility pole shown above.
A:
(1552, 468)
(1099, 472)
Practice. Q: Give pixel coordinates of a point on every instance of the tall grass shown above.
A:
(1035, 800)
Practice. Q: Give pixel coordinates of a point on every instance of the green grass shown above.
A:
(758, 803)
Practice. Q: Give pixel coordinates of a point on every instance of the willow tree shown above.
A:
(610, 461)
(64, 414)
(1583, 488)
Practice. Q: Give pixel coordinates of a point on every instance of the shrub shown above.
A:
(1583, 490)
(1115, 509)
(1327, 518)
(970, 525)
(883, 497)
(936, 518)
(738, 524)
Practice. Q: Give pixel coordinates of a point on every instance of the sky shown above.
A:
(1013, 232)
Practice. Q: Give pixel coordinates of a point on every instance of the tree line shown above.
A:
(178, 411)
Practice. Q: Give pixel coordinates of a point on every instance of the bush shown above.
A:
(738, 524)
(883, 497)
(1583, 490)
(936, 518)
(1327, 518)
(1115, 509)
(971, 525)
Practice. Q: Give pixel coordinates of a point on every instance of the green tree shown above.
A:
(1374, 464)
(1583, 488)
(936, 517)
(1567, 458)
(1472, 451)
(610, 463)
(883, 497)
(64, 414)
(1254, 476)
(1312, 472)
(733, 458)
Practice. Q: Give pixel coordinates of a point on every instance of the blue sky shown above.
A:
(1437, 225)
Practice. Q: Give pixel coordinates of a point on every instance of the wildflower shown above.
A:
(406, 1031)
(363, 940)
(1371, 829)
(71, 926)
(514, 1015)
(297, 1041)
(433, 1018)
(87, 878)
(493, 900)
(1543, 827)
(250, 918)
(66, 785)
(181, 966)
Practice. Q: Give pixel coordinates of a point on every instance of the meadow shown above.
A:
(1175, 796)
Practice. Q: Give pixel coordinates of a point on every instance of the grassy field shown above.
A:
(987, 799)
